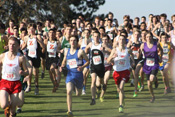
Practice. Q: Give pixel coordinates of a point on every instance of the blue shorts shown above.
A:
(76, 78)
(162, 67)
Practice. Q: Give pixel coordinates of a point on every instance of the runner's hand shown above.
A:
(60, 69)
(79, 68)
(26, 79)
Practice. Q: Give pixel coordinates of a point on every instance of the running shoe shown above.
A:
(152, 100)
(36, 91)
(132, 82)
(28, 89)
(135, 94)
(42, 75)
(120, 109)
(101, 99)
(141, 88)
(7, 111)
(70, 114)
(19, 110)
(83, 92)
(93, 102)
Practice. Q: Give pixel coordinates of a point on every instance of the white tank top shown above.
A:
(83, 45)
(10, 68)
(172, 37)
(122, 61)
(52, 49)
(96, 46)
(108, 29)
(32, 46)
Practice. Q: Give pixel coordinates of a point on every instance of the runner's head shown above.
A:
(96, 36)
(122, 40)
(105, 39)
(73, 40)
(32, 28)
(52, 34)
(13, 44)
(163, 37)
(149, 37)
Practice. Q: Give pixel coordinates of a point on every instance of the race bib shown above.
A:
(121, 62)
(32, 53)
(97, 60)
(165, 57)
(72, 63)
(10, 75)
(52, 54)
(135, 53)
(150, 61)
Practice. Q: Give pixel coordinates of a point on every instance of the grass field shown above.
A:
(48, 104)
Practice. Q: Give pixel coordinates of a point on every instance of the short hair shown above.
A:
(110, 13)
(102, 28)
(32, 25)
(14, 39)
(105, 35)
(163, 34)
(172, 17)
(23, 29)
(52, 29)
(39, 23)
(143, 17)
(75, 36)
(163, 15)
(97, 32)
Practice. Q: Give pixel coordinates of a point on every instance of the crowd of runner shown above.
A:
(81, 49)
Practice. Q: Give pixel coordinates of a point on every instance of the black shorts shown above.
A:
(36, 62)
(136, 62)
(43, 55)
(153, 72)
(50, 61)
(100, 72)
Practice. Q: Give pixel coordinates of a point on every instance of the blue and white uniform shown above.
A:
(73, 75)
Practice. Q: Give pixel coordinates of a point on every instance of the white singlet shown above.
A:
(10, 68)
(122, 61)
(32, 46)
(51, 49)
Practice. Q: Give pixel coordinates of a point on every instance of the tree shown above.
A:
(40, 10)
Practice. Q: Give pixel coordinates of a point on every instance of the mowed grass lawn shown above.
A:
(48, 104)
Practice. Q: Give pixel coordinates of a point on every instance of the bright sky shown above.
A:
(137, 8)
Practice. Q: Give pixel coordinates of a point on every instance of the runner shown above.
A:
(120, 56)
(52, 59)
(97, 68)
(34, 45)
(83, 42)
(150, 68)
(10, 85)
(166, 58)
(10, 28)
(73, 57)
(108, 67)
(134, 45)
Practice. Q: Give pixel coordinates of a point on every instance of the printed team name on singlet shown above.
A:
(97, 59)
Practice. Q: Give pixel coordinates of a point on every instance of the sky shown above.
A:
(137, 8)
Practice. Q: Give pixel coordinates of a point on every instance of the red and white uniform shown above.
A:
(121, 66)
(52, 49)
(10, 68)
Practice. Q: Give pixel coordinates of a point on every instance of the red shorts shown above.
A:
(121, 75)
(11, 86)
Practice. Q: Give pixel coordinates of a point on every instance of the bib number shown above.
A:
(121, 62)
(135, 53)
(72, 63)
(52, 54)
(10, 75)
(32, 53)
(165, 57)
(150, 61)
(97, 60)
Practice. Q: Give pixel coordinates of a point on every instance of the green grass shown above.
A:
(48, 104)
